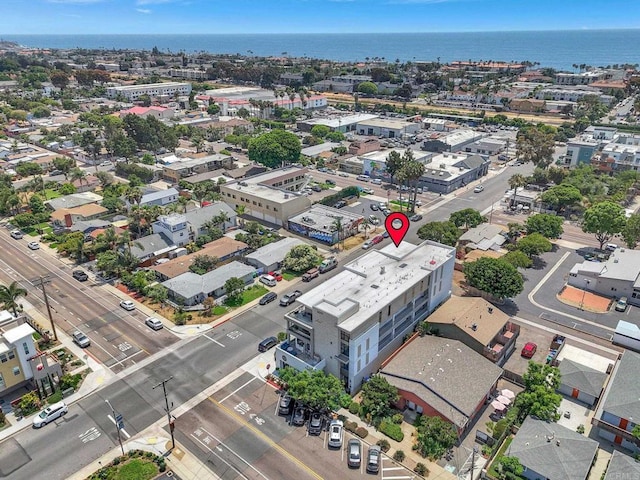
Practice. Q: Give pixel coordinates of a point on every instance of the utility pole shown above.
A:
(40, 282)
(167, 409)
(117, 418)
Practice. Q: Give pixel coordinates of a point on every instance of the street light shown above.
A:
(584, 292)
(117, 420)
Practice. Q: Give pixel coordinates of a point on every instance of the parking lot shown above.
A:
(239, 434)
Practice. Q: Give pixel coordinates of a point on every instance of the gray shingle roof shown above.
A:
(570, 460)
(275, 251)
(157, 195)
(623, 393)
(621, 467)
(585, 379)
(190, 284)
(150, 244)
(196, 218)
(446, 374)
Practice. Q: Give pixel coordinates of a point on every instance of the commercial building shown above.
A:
(374, 164)
(357, 318)
(154, 111)
(548, 450)
(188, 74)
(619, 276)
(440, 377)
(388, 128)
(447, 172)
(271, 196)
(175, 171)
(340, 83)
(455, 141)
(337, 123)
(579, 151)
(582, 78)
(270, 257)
(319, 223)
(133, 92)
(486, 147)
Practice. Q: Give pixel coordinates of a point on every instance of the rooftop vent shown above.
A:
(375, 286)
(558, 443)
(382, 270)
(474, 327)
(402, 265)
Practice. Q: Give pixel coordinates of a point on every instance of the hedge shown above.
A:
(391, 430)
(362, 432)
(354, 408)
(350, 426)
(345, 192)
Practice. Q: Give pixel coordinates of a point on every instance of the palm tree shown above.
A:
(77, 174)
(133, 196)
(338, 227)
(108, 238)
(9, 296)
(240, 210)
(221, 219)
(366, 225)
(517, 180)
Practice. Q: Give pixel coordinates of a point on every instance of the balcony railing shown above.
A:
(596, 422)
(288, 353)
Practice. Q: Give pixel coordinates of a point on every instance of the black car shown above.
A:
(299, 416)
(328, 181)
(340, 204)
(80, 275)
(316, 422)
(416, 218)
(285, 405)
(269, 297)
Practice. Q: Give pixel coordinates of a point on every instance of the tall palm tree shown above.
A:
(9, 297)
(366, 225)
(240, 210)
(337, 225)
(517, 180)
(221, 219)
(133, 195)
(108, 238)
(77, 174)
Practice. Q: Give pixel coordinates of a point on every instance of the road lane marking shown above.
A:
(238, 389)
(212, 339)
(122, 429)
(89, 435)
(206, 446)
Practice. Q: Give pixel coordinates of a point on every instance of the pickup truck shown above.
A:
(289, 298)
(328, 264)
(310, 275)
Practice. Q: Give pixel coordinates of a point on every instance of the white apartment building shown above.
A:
(353, 321)
(133, 92)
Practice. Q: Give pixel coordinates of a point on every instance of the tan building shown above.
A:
(527, 105)
(68, 216)
(269, 196)
(192, 166)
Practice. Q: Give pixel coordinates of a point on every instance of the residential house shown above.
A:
(581, 382)
(622, 467)
(223, 249)
(619, 408)
(69, 216)
(86, 184)
(483, 237)
(354, 320)
(548, 450)
(148, 249)
(175, 171)
(191, 289)
(158, 112)
(16, 348)
(73, 200)
(270, 257)
(184, 228)
(440, 377)
(159, 197)
(485, 329)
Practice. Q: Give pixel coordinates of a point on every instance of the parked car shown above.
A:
(106, 163)
(310, 275)
(374, 207)
(621, 305)
(367, 245)
(340, 204)
(127, 305)
(289, 298)
(415, 218)
(328, 264)
(373, 459)
(368, 191)
(268, 280)
(267, 344)
(285, 405)
(33, 245)
(277, 275)
(354, 452)
(373, 220)
(377, 239)
(386, 211)
(153, 323)
(329, 181)
(335, 434)
(55, 173)
(299, 416)
(343, 174)
(529, 350)
(478, 189)
(316, 422)
(268, 298)
(316, 188)
(80, 339)
(49, 414)
(80, 275)
(17, 234)
(376, 181)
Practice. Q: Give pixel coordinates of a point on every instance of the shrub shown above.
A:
(162, 467)
(421, 469)
(399, 456)
(116, 461)
(354, 408)
(29, 403)
(391, 430)
(580, 429)
(362, 432)
(384, 445)
(350, 426)
(282, 336)
(397, 418)
(3, 419)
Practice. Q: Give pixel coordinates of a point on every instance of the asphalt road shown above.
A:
(118, 338)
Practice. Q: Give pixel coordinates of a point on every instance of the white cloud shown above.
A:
(143, 10)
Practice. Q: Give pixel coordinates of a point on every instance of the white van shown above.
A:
(268, 280)
(363, 178)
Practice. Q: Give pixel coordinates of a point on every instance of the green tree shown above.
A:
(377, 396)
(275, 148)
(105, 178)
(64, 164)
(9, 296)
(539, 397)
(233, 288)
(394, 164)
(605, 220)
(561, 196)
(301, 258)
(550, 226)
(518, 259)
(203, 264)
(26, 169)
(494, 276)
(509, 468)
(157, 293)
(516, 181)
(36, 205)
(213, 109)
(534, 244)
(368, 88)
(59, 79)
(535, 145)
(467, 218)
(320, 131)
(631, 231)
(315, 389)
(67, 189)
(442, 232)
(434, 437)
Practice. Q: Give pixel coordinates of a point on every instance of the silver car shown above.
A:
(335, 434)
(50, 413)
(354, 451)
(81, 339)
(153, 323)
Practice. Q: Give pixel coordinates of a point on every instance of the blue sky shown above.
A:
(311, 16)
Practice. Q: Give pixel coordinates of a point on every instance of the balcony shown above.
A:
(300, 314)
(288, 354)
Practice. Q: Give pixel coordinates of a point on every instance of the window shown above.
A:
(359, 350)
(16, 371)
(3, 358)
(2, 384)
(26, 348)
(367, 346)
(11, 355)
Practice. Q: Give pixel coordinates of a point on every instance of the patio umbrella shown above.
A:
(508, 393)
(498, 406)
(503, 400)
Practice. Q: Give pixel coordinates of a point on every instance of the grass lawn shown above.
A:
(51, 194)
(249, 295)
(288, 275)
(130, 468)
(220, 310)
(492, 471)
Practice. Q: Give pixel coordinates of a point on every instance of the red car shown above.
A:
(277, 275)
(377, 239)
(529, 350)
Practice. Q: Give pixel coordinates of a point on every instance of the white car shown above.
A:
(33, 245)
(50, 413)
(335, 434)
(478, 189)
(367, 191)
(106, 164)
(127, 305)
(153, 323)
(17, 234)
(343, 174)
(366, 245)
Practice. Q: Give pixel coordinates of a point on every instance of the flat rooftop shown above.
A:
(150, 85)
(320, 217)
(374, 280)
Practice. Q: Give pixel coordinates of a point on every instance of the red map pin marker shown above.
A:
(397, 225)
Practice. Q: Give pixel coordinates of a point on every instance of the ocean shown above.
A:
(555, 49)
